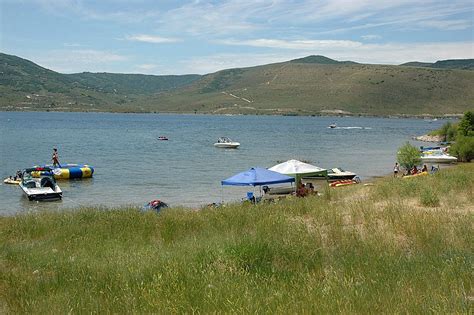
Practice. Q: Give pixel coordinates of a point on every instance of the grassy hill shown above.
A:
(305, 86)
(401, 246)
(311, 88)
(321, 60)
(464, 64)
(25, 85)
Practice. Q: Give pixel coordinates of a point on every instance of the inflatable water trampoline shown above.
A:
(66, 171)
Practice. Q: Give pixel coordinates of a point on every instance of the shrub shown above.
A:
(447, 131)
(463, 149)
(429, 198)
(408, 156)
(466, 125)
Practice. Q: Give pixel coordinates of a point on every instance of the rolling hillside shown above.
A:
(302, 87)
(308, 86)
(25, 85)
(464, 64)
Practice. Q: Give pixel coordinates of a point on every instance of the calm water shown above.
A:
(132, 166)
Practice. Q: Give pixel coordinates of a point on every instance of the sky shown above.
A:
(180, 37)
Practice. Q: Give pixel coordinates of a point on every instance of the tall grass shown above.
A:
(363, 249)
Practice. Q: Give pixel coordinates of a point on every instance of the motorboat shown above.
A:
(224, 142)
(163, 138)
(40, 188)
(340, 174)
(438, 157)
(332, 126)
(434, 150)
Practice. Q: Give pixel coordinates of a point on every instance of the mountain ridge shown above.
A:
(311, 85)
(462, 64)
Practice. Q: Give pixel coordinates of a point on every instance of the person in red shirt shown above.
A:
(55, 158)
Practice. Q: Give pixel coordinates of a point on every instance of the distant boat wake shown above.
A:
(355, 127)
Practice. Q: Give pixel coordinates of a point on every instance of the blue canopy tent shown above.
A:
(257, 176)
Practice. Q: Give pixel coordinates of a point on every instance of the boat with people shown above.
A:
(163, 138)
(227, 143)
(65, 171)
(15, 179)
(338, 173)
(332, 126)
(40, 188)
(12, 181)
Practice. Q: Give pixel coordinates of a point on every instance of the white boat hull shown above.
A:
(338, 174)
(34, 191)
(341, 176)
(439, 159)
(230, 145)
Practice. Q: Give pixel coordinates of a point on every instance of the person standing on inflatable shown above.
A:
(55, 158)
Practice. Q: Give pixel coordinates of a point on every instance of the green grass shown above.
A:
(365, 249)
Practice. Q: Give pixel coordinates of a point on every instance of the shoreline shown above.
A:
(331, 251)
(317, 114)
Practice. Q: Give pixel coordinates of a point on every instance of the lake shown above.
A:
(132, 166)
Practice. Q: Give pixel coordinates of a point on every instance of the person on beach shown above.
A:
(396, 170)
(424, 169)
(302, 191)
(414, 170)
(55, 158)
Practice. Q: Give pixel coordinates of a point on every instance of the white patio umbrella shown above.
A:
(298, 169)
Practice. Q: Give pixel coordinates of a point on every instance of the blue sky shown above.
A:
(178, 37)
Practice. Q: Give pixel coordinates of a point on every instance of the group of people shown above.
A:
(304, 190)
(18, 175)
(414, 170)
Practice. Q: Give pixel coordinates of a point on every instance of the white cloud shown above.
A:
(222, 18)
(216, 62)
(69, 61)
(371, 37)
(294, 44)
(147, 66)
(394, 53)
(151, 39)
(447, 25)
(72, 45)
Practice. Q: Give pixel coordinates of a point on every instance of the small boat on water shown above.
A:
(162, 138)
(40, 188)
(224, 142)
(438, 157)
(340, 174)
(12, 181)
(332, 126)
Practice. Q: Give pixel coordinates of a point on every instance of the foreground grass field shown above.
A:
(402, 245)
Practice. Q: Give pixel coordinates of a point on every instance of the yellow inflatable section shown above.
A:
(416, 175)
